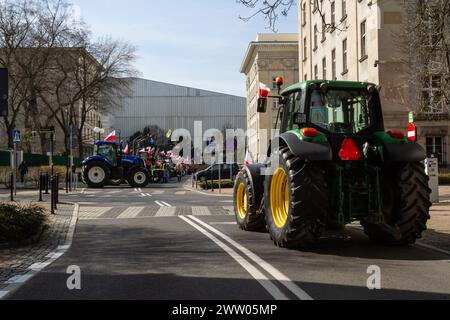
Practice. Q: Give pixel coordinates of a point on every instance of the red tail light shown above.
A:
(397, 134)
(349, 151)
(310, 132)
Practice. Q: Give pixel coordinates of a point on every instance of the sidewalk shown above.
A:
(438, 234)
(18, 263)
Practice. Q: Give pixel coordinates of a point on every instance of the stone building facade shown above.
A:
(361, 40)
(269, 56)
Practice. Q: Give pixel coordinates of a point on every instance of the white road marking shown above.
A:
(55, 255)
(230, 210)
(166, 204)
(255, 273)
(159, 204)
(39, 266)
(148, 194)
(3, 294)
(278, 275)
(131, 213)
(19, 279)
(166, 212)
(88, 213)
(180, 193)
(201, 211)
(158, 192)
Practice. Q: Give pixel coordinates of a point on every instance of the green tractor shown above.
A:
(334, 164)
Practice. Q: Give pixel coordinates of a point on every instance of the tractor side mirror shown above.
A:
(262, 105)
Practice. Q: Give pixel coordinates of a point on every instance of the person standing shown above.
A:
(23, 170)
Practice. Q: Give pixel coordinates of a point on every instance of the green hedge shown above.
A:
(37, 160)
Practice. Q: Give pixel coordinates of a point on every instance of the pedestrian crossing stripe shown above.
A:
(130, 213)
(96, 213)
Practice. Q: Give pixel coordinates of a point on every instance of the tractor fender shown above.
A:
(256, 178)
(408, 152)
(97, 158)
(305, 150)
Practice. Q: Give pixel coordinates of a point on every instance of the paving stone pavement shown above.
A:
(17, 261)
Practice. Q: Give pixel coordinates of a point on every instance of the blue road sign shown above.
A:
(16, 136)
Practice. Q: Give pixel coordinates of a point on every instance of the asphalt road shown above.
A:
(173, 243)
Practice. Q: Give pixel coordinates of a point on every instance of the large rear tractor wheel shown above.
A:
(138, 178)
(96, 174)
(247, 202)
(406, 206)
(296, 201)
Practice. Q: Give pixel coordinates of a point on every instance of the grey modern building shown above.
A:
(172, 107)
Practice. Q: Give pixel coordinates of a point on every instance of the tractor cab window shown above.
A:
(107, 151)
(341, 111)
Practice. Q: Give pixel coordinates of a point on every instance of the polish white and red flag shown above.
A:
(248, 158)
(111, 137)
(264, 90)
(127, 150)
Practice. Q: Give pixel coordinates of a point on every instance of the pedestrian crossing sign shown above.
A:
(16, 136)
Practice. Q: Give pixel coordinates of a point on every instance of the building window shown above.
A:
(436, 148)
(305, 49)
(316, 32)
(304, 13)
(316, 72)
(333, 65)
(333, 15)
(315, 5)
(344, 57)
(344, 9)
(324, 68)
(363, 40)
(433, 101)
(324, 28)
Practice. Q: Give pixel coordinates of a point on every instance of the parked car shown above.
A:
(227, 172)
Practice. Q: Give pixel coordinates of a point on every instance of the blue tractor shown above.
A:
(109, 166)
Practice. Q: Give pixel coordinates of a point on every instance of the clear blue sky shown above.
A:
(198, 43)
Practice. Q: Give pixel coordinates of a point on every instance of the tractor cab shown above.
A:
(109, 150)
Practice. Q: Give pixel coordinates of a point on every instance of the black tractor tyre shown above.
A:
(406, 206)
(308, 202)
(138, 178)
(96, 166)
(247, 202)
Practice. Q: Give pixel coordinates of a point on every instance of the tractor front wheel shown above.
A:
(296, 201)
(138, 178)
(406, 206)
(96, 174)
(247, 202)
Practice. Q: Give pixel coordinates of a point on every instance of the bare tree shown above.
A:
(427, 43)
(272, 10)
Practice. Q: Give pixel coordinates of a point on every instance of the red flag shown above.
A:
(264, 90)
(111, 137)
(127, 150)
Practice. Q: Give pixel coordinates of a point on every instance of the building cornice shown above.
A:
(257, 44)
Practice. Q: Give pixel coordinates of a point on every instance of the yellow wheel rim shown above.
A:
(242, 201)
(279, 198)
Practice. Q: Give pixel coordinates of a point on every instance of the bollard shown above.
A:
(41, 185)
(12, 186)
(67, 180)
(46, 182)
(52, 196)
(57, 189)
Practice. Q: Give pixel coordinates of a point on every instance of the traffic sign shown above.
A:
(412, 132)
(16, 136)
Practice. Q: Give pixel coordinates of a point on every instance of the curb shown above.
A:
(18, 281)
(432, 248)
(206, 193)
